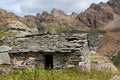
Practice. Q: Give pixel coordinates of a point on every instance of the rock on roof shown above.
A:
(5, 48)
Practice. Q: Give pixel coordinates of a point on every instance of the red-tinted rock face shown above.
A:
(57, 13)
(115, 5)
(7, 16)
(96, 15)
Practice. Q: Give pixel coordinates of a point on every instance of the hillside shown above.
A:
(7, 16)
(102, 16)
(111, 45)
(97, 15)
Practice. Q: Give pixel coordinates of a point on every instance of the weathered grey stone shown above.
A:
(4, 57)
(4, 48)
(95, 39)
(102, 63)
(109, 67)
(16, 25)
(30, 61)
(18, 28)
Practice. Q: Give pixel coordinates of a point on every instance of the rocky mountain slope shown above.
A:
(115, 5)
(7, 16)
(97, 15)
(103, 16)
(111, 45)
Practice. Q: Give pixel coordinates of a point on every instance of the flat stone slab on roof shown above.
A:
(5, 48)
(50, 43)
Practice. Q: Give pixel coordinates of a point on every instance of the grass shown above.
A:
(64, 29)
(68, 74)
(95, 56)
(2, 34)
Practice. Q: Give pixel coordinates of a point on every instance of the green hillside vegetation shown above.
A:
(2, 34)
(68, 74)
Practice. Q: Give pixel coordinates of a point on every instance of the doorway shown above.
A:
(48, 62)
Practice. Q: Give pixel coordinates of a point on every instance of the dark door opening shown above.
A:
(48, 62)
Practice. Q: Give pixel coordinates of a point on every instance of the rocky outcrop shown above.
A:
(7, 16)
(17, 28)
(57, 18)
(99, 62)
(115, 5)
(111, 44)
(57, 13)
(96, 15)
(29, 20)
(95, 40)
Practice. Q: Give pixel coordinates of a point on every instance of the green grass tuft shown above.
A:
(2, 34)
(68, 74)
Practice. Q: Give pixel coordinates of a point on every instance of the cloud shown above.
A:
(25, 7)
(11, 6)
(69, 6)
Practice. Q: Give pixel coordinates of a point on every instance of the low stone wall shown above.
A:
(60, 60)
(27, 59)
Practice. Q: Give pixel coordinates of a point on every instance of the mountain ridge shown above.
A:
(95, 16)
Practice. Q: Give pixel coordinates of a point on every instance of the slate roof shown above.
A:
(50, 43)
(5, 48)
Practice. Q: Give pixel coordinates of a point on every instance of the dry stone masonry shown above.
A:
(51, 51)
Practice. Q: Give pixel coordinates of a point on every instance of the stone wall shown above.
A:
(60, 60)
(64, 60)
(67, 50)
(27, 59)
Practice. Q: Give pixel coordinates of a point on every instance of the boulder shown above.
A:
(17, 28)
(4, 56)
(102, 63)
(15, 25)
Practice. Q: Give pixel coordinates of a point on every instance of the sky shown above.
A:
(32, 7)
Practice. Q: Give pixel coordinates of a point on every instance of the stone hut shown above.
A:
(52, 51)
